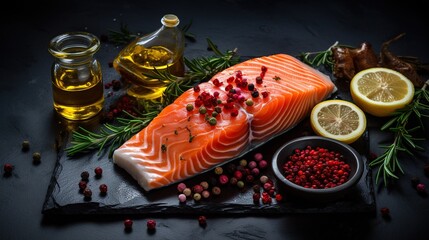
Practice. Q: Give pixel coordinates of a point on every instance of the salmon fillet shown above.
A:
(256, 100)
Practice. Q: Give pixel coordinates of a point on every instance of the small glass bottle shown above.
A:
(161, 50)
(76, 75)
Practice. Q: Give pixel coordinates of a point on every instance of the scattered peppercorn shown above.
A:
(182, 197)
(180, 187)
(202, 221)
(103, 189)
(8, 168)
(151, 224)
(216, 190)
(205, 194)
(240, 184)
(87, 193)
(385, 212)
(204, 184)
(421, 188)
(249, 102)
(84, 175)
(223, 179)
(212, 121)
(128, 223)
(82, 185)
(25, 145)
(98, 172)
(37, 157)
(218, 170)
(198, 188)
(189, 107)
(187, 192)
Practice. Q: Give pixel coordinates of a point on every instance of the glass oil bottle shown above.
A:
(76, 75)
(160, 50)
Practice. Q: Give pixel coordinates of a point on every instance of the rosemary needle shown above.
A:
(389, 162)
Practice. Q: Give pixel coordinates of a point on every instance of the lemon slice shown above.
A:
(338, 119)
(381, 91)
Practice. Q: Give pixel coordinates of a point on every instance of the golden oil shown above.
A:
(160, 50)
(77, 85)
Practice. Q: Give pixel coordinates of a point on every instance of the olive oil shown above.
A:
(77, 85)
(160, 50)
(75, 98)
(138, 60)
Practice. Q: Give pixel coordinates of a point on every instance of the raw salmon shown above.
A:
(253, 101)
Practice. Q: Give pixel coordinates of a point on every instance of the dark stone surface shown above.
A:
(256, 28)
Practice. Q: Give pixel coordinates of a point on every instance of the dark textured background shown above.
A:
(255, 28)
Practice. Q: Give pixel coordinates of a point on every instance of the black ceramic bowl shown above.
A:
(350, 156)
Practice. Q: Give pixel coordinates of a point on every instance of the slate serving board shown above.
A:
(125, 196)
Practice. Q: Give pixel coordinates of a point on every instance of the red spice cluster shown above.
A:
(316, 168)
(210, 105)
(267, 192)
(124, 103)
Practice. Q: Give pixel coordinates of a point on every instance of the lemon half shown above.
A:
(381, 91)
(338, 119)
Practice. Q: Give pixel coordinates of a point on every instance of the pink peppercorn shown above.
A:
(262, 164)
(255, 171)
(187, 192)
(252, 164)
(420, 188)
(204, 184)
(223, 179)
(182, 197)
(98, 171)
(103, 188)
(256, 196)
(385, 212)
(279, 197)
(205, 194)
(82, 185)
(197, 188)
(128, 223)
(151, 224)
(7, 167)
(202, 220)
(181, 187)
(258, 157)
(238, 174)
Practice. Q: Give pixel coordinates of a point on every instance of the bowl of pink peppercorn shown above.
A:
(317, 168)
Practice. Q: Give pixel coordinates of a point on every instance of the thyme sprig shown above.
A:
(114, 135)
(389, 163)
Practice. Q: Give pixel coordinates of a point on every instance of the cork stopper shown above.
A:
(170, 20)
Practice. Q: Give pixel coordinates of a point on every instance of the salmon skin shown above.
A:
(239, 108)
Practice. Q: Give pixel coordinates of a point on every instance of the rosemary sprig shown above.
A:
(404, 141)
(109, 135)
(325, 58)
(112, 136)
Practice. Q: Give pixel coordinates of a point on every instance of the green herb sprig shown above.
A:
(113, 135)
(389, 162)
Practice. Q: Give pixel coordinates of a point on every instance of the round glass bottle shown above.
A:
(160, 50)
(76, 75)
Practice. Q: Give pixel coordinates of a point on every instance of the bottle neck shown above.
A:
(75, 48)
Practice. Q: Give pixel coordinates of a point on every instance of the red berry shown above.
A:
(202, 220)
(279, 197)
(8, 168)
(87, 192)
(128, 223)
(151, 224)
(98, 171)
(223, 179)
(385, 212)
(82, 185)
(103, 188)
